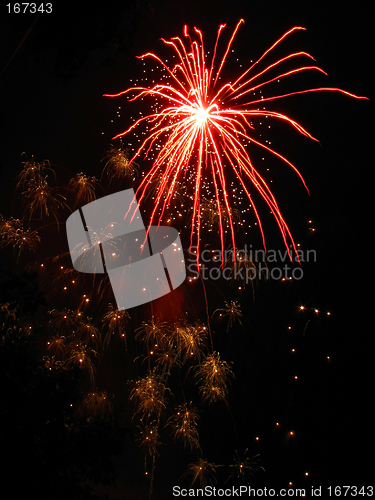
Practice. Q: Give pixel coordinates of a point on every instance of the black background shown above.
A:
(52, 107)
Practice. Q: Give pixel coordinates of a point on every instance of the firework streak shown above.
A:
(203, 126)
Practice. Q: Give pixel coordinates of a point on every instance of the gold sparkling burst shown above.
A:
(213, 215)
(65, 321)
(115, 321)
(165, 358)
(232, 311)
(184, 426)
(201, 472)
(33, 171)
(83, 187)
(245, 468)
(152, 331)
(57, 344)
(149, 395)
(177, 198)
(13, 234)
(149, 439)
(244, 269)
(41, 197)
(81, 355)
(188, 341)
(87, 332)
(213, 375)
(118, 166)
(97, 404)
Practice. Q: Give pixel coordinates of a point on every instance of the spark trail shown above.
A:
(203, 125)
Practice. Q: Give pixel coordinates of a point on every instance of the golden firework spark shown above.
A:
(115, 321)
(13, 234)
(83, 187)
(118, 165)
(245, 468)
(40, 196)
(184, 426)
(149, 394)
(201, 472)
(152, 331)
(232, 311)
(33, 171)
(213, 375)
(97, 404)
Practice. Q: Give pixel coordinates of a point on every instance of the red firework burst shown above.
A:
(203, 126)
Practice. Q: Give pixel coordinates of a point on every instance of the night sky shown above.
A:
(52, 107)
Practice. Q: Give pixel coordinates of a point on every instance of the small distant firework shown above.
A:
(33, 171)
(118, 165)
(152, 332)
(212, 216)
(201, 472)
(149, 438)
(57, 344)
(184, 426)
(83, 187)
(65, 321)
(79, 354)
(115, 321)
(232, 311)
(149, 395)
(245, 468)
(188, 341)
(97, 404)
(13, 234)
(213, 375)
(42, 198)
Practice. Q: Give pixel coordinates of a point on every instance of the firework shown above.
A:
(65, 322)
(148, 393)
(202, 472)
(149, 438)
(244, 269)
(83, 187)
(232, 311)
(74, 325)
(214, 375)
(193, 342)
(165, 358)
(87, 332)
(57, 344)
(212, 216)
(115, 321)
(152, 332)
(40, 196)
(199, 127)
(80, 355)
(33, 171)
(8, 312)
(12, 233)
(118, 165)
(179, 196)
(245, 468)
(97, 404)
(184, 426)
